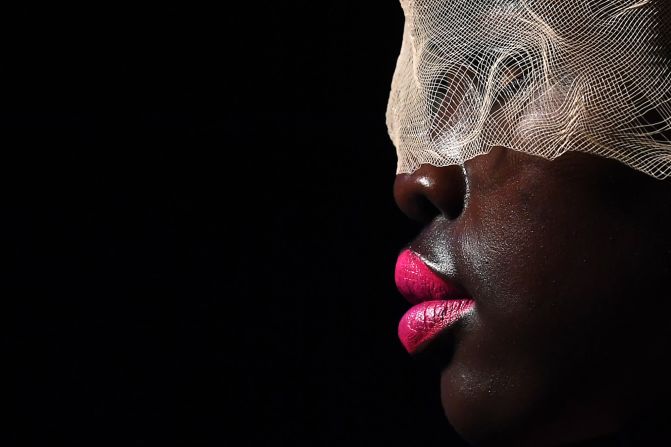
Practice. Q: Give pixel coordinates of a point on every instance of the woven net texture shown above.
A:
(538, 76)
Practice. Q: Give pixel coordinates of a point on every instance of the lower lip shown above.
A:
(425, 321)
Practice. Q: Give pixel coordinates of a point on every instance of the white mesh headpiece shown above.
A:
(538, 76)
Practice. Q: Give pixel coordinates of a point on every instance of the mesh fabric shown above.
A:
(538, 76)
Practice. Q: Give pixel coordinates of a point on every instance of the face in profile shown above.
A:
(538, 284)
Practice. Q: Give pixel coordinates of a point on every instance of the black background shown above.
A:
(199, 231)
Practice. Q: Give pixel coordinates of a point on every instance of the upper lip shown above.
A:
(418, 283)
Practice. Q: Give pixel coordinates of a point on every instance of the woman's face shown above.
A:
(567, 262)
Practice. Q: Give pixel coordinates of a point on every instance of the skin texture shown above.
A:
(568, 262)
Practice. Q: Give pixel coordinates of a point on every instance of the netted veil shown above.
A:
(539, 76)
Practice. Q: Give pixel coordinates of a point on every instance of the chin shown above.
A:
(497, 409)
(492, 409)
(470, 404)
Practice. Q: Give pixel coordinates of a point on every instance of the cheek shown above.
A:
(544, 327)
(511, 249)
(499, 373)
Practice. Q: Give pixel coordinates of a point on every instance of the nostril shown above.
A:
(412, 202)
(431, 191)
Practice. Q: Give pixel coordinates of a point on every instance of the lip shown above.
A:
(438, 303)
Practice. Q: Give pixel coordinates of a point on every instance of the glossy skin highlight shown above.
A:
(568, 262)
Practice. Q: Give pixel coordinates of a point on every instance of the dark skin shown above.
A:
(568, 261)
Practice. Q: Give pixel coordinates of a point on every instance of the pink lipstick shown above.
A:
(439, 303)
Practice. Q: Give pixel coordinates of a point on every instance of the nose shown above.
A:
(431, 191)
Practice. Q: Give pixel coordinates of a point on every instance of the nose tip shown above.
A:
(431, 191)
